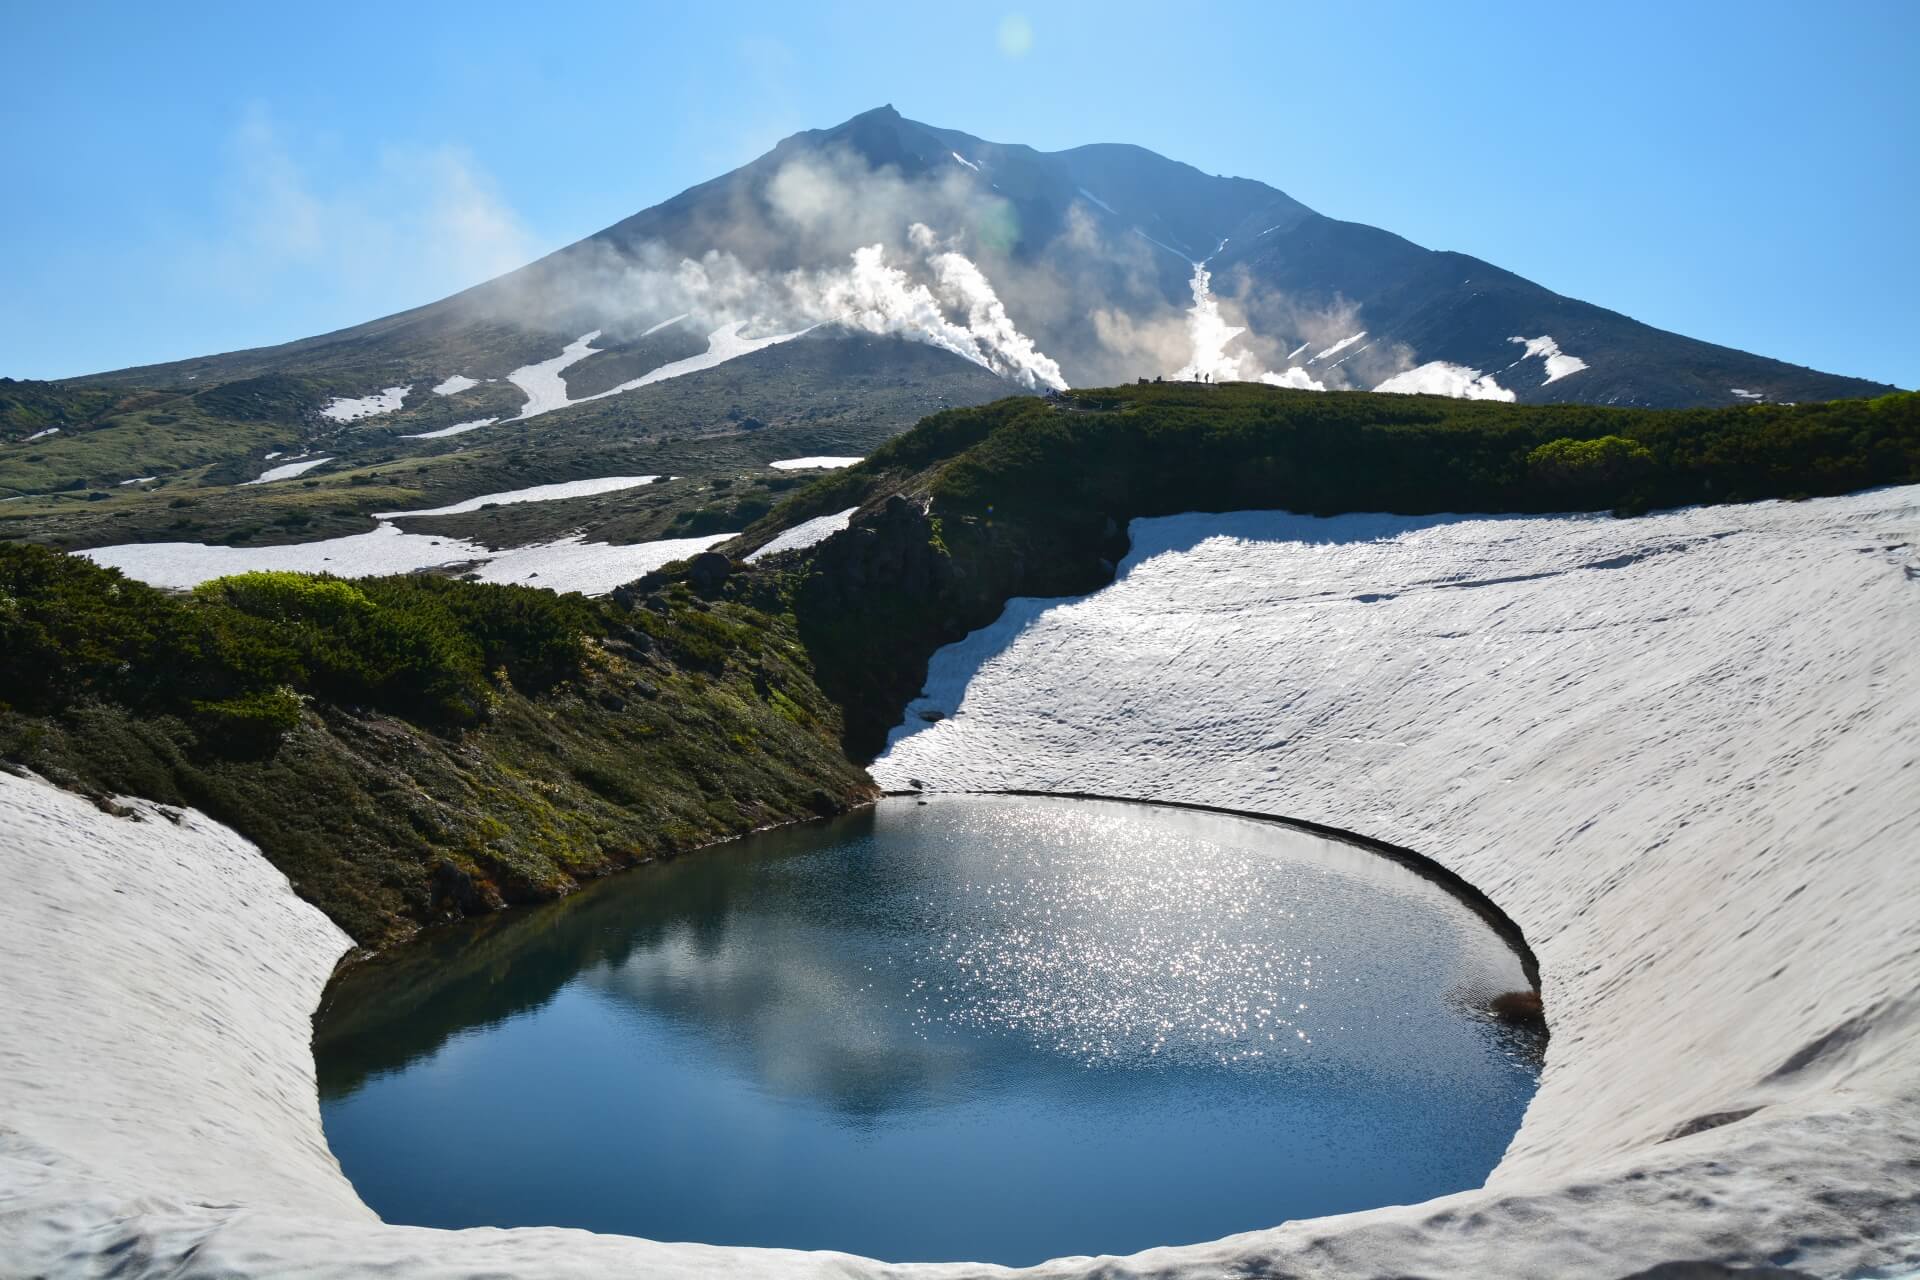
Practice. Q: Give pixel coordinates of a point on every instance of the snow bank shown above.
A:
(1679, 750)
(805, 534)
(1438, 378)
(454, 385)
(537, 493)
(341, 409)
(820, 462)
(288, 470)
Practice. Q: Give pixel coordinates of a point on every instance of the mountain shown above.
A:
(814, 302)
(1093, 252)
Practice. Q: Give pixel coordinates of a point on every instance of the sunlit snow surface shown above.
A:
(455, 385)
(1679, 750)
(805, 534)
(818, 462)
(591, 568)
(341, 409)
(537, 493)
(566, 564)
(1558, 363)
(546, 388)
(288, 470)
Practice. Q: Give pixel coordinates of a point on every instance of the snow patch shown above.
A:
(1097, 200)
(1438, 378)
(537, 493)
(458, 428)
(42, 435)
(341, 409)
(288, 470)
(963, 160)
(1295, 353)
(805, 534)
(1341, 345)
(1745, 394)
(1559, 363)
(455, 385)
(545, 389)
(821, 462)
(137, 480)
(591, 568)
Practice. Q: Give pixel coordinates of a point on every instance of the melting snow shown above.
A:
(135, 480)
(547, 390)
(1097, 200)
(591, 568)
(288, 470)
(1295, 353)
(344, 410)
(270, 457)
(1341, 345)
(41, 435)
(819, 463)
(538, 493)
(458, 428)
(1559, 363)
(455, 385)
(1707, 836)
(1745, 394)
(963, 160)
(805, 534)
(1438, 378)
(570, 564)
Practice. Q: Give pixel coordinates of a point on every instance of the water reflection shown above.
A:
(984, 1027)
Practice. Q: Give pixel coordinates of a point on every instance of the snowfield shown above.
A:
(822, 462)
(341, 409)
(537, 493)
(288, 470)
(1679, 750)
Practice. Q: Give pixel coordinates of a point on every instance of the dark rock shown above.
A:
(708, 570)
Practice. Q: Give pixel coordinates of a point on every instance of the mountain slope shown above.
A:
(1092, 251)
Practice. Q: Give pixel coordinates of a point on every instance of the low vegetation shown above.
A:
(415, 749)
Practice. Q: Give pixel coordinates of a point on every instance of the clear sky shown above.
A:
(189, 178)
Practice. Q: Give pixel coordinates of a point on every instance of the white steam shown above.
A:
(1211, 335)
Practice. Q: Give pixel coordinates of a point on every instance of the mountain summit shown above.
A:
(1097, 264)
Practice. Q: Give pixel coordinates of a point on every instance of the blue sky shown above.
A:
(192, 178)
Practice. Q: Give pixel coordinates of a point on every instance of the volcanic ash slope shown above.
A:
(1679, 750)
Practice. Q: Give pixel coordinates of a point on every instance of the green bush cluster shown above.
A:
(1159, 449)
(239, 653)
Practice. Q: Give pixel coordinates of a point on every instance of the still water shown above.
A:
(993, 1028)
